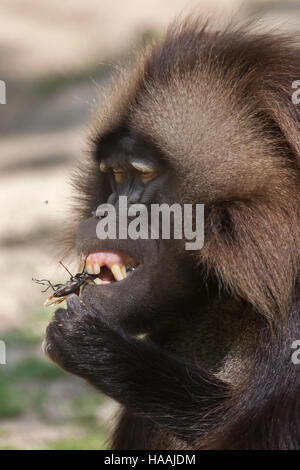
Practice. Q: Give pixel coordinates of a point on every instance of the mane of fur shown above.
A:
(218, 106)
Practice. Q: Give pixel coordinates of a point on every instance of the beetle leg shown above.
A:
(56, 286)
(46, 282)
(43, 282)
(45, 290)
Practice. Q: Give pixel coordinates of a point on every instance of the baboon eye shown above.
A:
(117, 172)
(104, 167)
(148, 176)
(147, 171)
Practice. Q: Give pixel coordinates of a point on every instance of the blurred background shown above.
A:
(56, 58)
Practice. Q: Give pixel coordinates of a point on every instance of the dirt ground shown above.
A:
(54, 58)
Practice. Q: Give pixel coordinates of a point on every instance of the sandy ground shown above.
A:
(35, 170)
(74, 33)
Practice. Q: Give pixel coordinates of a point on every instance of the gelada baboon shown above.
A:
(195, 345)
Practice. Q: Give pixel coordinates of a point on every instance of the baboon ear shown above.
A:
(283, 106)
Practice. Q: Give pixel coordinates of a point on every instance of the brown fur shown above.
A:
(218, 107)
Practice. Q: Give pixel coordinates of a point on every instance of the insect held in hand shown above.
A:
(62, 290)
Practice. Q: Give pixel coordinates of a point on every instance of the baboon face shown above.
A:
(195, 126)
(205, 118)
(149, 272)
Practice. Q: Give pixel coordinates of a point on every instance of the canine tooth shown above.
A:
(116, 270)
(123, 270)
(98, 281)
(97, 268)
(89, 267)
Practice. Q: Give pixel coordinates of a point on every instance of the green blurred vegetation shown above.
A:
(32, 386)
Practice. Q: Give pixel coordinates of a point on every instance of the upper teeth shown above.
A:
(119, 265)
(97, 268)
(118, 272)
(90, 267)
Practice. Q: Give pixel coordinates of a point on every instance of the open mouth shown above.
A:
(100, 268)
(108, 266)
